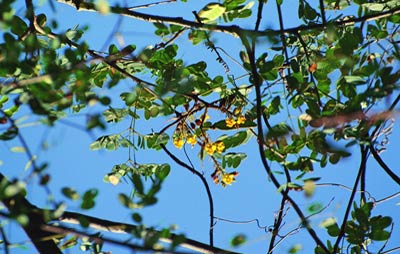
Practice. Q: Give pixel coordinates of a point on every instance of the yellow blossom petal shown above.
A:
(178, 143)
(220, 146)
(228, 179)
(206, 117)
(237, 111)
(192, 140)
(210, 148)
(241, 120)
(230, 122)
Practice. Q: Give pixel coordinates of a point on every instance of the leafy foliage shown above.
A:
(304, 97)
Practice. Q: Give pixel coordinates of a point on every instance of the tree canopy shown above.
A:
(285, 105)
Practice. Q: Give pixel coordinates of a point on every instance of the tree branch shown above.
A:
(18, 205)
(37, 229)
(361, 171)
(204, 181)
(383, 165)
(233, 29)
(260, 137)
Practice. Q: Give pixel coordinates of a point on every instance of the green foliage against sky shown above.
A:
(302, 98)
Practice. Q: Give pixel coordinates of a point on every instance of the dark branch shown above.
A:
(260, 136)
(18, 205)
(383, 165)
(204, 181)
(234, 29)
(38, 227)
(361, 171)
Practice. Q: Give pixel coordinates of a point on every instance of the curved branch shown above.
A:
(383, 165)
(117, 227)
(38, 230)
(233, 29)
(257, 84)
(363, 163)
(18, 205)
(204, 181)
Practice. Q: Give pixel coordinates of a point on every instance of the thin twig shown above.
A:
(5, 240)
(259, 14)
(206, 186)
(322, 7)
(265, 228)
(260, 136)
(383, 165)
(151, 4)
(361, 169)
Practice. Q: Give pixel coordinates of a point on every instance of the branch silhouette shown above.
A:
(41, 232)
(234, 30)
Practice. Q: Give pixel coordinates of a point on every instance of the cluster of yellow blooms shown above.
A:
(179, 142)
(230, 122)
(226, 178)
(184, 135)
(211, 148)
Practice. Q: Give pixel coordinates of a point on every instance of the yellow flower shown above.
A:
(192, 140)
(228, 179)
(241, 120)
(230, 122)
(220, 146)
(178, 143)
(206, 117)
(210, 148)
(237, 111)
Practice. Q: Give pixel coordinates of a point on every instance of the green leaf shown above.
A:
(356, 80)
(295, 249)
(137, 218)
(278, 130)
(234, 159)
(379, 222)
(163, 171)
(18, 26)
(331, 226)
(315, 207)
(15, 188)
(127, 202)
(379, 235)
(137, 183)
(70, 193)
(238, 240)
(154, 141)
(88, 199)
(237, 139)
(211, 12)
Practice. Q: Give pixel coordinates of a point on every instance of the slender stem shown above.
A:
(257, 84)
(363, 163)
(259, 14)
(206, 186)
(383, 165)
(322, 7)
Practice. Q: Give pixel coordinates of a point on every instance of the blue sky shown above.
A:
(182, 200)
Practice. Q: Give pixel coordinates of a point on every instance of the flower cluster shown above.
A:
(179, 141)
(220, 176)
(211, 148)
(231, 122)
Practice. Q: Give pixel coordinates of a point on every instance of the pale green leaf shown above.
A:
(211, 12)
